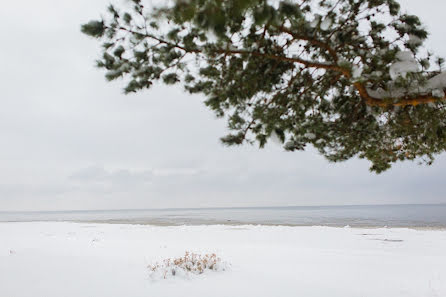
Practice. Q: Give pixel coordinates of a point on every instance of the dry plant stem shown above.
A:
(190, 262)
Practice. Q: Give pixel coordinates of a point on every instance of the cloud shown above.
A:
(98, 174)
(169, 172)
(99, 178)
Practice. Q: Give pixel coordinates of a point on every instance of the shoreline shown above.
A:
(423, 216)
(160, 223)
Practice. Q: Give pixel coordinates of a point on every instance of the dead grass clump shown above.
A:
(189, 264)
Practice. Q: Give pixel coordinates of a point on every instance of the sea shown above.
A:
(402, 215)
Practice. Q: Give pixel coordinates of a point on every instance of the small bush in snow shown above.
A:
(189, 264)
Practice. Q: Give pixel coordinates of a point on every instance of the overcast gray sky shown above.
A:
(70, 140)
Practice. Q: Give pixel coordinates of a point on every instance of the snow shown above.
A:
(326, 23)
(356, 71)
(310, 135)
(275, 138)
(434, 85)
(414, 40)
(438, 93)
(56, 259)
(406, 64)
(316, 21)
(437, 82)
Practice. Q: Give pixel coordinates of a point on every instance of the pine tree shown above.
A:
(350, 77)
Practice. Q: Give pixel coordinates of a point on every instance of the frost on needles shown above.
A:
(349, 77)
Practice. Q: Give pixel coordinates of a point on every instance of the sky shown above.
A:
(69, 140)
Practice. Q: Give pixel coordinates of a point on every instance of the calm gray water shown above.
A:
(426, 215)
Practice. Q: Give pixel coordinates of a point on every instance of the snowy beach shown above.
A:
(46, 259)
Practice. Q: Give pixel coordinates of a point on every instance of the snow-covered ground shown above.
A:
(58, 259)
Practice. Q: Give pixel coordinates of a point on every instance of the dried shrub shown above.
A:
(189, 264)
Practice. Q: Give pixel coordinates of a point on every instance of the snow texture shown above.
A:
(438, 93)
(57, 259)
(275, 138)
(356, 71)
(326, 24)
(406, 64)
(316, 21)
(310, 135)
(434, 85)
(414, 40)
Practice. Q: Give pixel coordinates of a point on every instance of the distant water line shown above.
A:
(416, 216)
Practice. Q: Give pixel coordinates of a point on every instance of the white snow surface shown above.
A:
(53, 259)
(406, 64)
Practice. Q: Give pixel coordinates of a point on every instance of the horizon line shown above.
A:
(220, 207)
